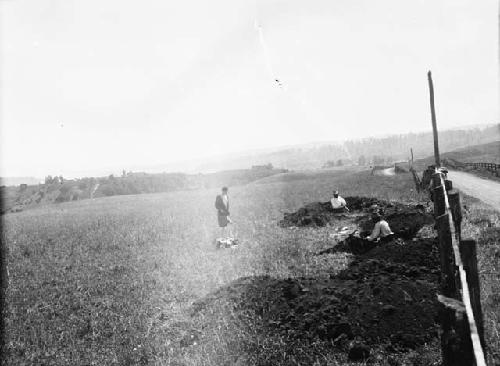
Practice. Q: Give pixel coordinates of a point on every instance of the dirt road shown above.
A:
(386, 172)
(487, 191)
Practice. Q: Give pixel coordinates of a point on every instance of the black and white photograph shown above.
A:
(250, 182)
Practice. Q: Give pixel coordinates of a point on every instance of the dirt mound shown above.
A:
(397, 249)
(357, 203)
(352, 244)
(314, 214)
(376, 267)
(404, 221)
(423, 253)
(384, 299)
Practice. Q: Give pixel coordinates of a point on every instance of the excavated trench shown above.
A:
(385, 297)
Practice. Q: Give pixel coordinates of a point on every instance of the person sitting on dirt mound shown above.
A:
(338, 203)
(381, 230)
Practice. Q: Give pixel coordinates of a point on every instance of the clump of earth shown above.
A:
(386, 296)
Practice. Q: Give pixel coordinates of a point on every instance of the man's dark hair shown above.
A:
(224, 189)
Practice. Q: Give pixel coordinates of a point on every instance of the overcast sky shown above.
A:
(93, 84)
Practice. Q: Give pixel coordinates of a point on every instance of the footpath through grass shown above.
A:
(112, 281)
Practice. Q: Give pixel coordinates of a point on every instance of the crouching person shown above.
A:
(338, 203)
(381, 231)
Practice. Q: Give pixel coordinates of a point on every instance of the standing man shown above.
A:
(222, 206)
(338, 203)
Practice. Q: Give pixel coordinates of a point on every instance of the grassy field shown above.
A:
(111, 281)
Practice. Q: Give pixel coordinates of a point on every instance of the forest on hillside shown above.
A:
(367, 151)
(398, 147)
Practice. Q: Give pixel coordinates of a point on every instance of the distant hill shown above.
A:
(483, 153)
(15, 181)
(367, 151)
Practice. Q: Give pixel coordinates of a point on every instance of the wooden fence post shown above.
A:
(448, 286)
(448, 185)
(448, 277)
(433, 116)
(456, 210)
(456, 345)
(468, 254)
(416, 179)
(437, 195)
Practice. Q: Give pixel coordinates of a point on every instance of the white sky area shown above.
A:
(88, 85)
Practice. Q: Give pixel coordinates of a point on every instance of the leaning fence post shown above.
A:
(468, 254)
(433, 116)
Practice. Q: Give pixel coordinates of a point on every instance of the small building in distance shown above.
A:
(137, 174)
(263, 167)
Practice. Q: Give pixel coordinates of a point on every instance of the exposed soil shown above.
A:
(404, 220)
(387, 295)
(377, 301)
(315, 214)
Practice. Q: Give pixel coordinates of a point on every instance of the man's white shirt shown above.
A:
(338, 202)
(381, 229)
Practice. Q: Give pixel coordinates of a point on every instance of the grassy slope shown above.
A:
(485, 153)
(111, 280)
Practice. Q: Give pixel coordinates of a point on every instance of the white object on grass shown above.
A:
(226, 243)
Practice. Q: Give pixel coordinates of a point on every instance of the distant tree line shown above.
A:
(391, 149)
(58, 189)
(150, 183)
(373, 151)
(54, 180)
